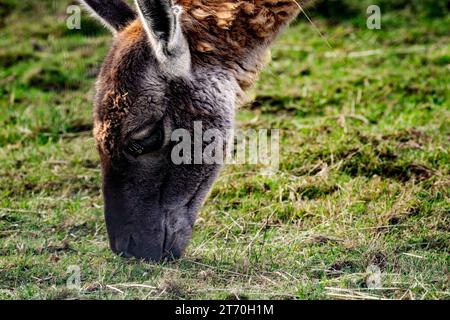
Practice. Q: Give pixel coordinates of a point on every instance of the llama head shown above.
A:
(171, 67)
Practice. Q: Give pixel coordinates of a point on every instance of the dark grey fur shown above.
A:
(152, 82)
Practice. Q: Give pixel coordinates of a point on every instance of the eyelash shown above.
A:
(135, 148)
(153, 141)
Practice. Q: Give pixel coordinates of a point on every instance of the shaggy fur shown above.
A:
(235, 34)
(167, 70)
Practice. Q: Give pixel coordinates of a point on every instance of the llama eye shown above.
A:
(143, 146)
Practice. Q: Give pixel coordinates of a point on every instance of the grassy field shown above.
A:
(363, 184)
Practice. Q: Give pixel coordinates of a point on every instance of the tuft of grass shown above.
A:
(363, 184)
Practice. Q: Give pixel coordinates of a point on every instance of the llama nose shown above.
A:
(142, 247)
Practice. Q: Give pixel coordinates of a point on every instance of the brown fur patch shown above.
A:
(133, 32)
(234, 33)
(260, 18)
(103, 129)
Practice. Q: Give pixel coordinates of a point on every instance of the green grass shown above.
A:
(364, 176)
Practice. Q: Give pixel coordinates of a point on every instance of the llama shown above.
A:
(171, 63)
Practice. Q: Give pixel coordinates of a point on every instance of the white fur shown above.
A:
(180, 66)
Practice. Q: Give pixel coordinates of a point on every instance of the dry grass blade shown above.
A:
(114, 289)
(313, 25)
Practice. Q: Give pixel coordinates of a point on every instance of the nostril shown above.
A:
(131, 246)
(122, 245)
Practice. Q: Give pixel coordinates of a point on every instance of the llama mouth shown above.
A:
(167, 242)
(152, 233)
(140, 247)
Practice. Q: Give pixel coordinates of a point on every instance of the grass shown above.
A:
(364, 175)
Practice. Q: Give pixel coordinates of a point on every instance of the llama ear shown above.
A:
(115, 14)
(162, 23)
